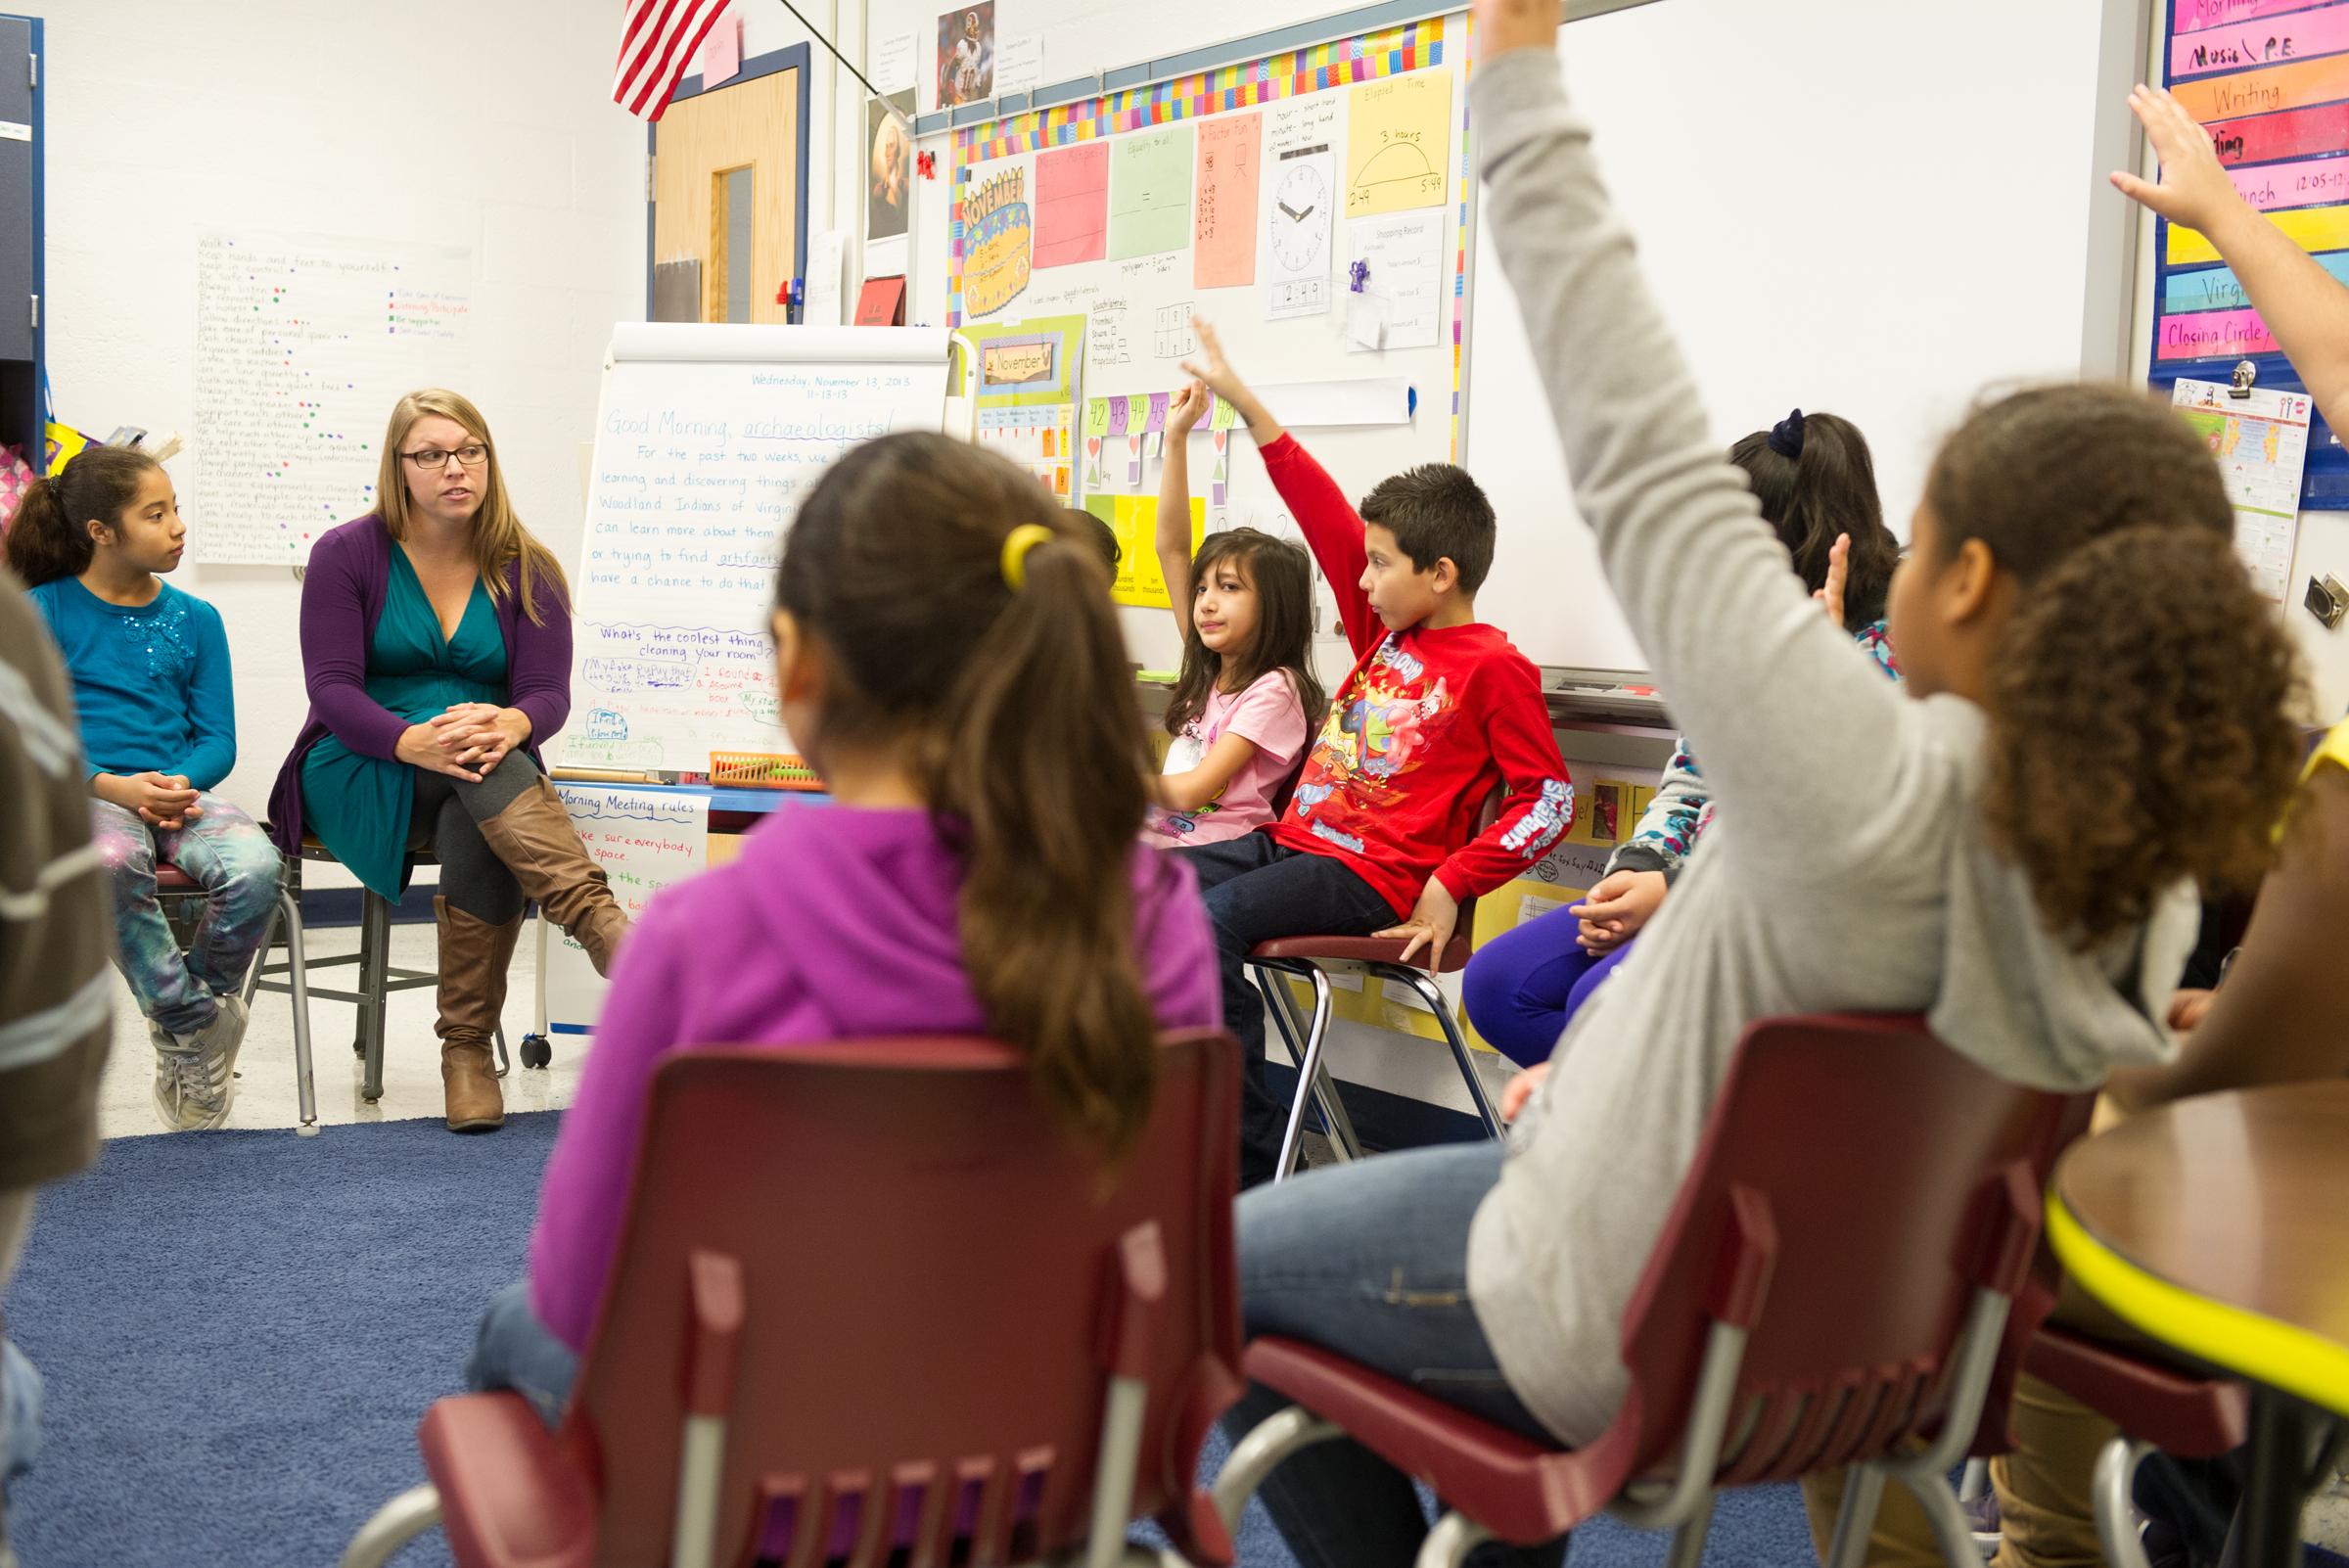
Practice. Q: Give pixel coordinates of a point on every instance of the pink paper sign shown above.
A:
(2239, 47)
(2215, 335)
(1072, 206)
(2310, 182)
(1223, 201)
(2192, 15)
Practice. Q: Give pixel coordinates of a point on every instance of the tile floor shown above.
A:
(265, 1090)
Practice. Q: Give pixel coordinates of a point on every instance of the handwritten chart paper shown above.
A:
(700, 465)
(1150, 193)
(1398, 142)
(2261, 442)
(645, 839)
(1223, 224)
(1072, 205)
(302, 344)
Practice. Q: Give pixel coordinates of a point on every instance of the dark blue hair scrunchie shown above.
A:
(1787, 436)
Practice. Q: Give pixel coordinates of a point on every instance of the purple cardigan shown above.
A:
(342, 598)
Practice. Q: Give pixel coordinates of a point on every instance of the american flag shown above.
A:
(656, 44)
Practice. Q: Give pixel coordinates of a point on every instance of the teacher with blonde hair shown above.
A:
(436, 645)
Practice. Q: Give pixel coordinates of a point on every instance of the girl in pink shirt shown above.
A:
(1246, 700)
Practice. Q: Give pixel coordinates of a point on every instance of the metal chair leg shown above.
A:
(394, 1525)
(1281, 1003)
(1316, 1037)
(289, 915)
(375, 948)
(1420, 980)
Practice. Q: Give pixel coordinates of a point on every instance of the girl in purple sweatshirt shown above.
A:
(949, 661)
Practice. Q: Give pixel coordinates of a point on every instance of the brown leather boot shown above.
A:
(536, 839)
(474, 956)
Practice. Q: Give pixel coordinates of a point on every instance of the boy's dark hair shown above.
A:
(49, 537)
(1436, 510)
(1101, 533)
(1015, 714)
(1831, 488)
(1284, 581)
(2139, 697)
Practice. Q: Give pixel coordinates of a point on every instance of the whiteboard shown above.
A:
(304, 343)
(707, 436)
(1868, 210)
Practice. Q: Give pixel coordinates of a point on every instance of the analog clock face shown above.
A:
(1300, 221)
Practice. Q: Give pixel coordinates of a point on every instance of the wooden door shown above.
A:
(704, 147)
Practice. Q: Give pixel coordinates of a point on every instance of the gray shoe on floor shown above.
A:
(195, 1083)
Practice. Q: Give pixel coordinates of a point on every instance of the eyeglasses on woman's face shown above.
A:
(432, 457)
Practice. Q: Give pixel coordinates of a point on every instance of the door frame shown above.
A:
(796, 57)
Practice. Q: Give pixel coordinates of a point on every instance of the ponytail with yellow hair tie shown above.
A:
(1016, 545)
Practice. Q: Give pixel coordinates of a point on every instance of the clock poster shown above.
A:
(1300, 195)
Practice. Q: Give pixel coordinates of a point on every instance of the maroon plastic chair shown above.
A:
(2155, 1407)
(872, 1306)
(1831, 1288)
(1315, 958)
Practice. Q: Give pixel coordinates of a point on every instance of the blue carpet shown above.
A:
(240, 1331)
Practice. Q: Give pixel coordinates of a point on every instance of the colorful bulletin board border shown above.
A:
(2269, 83)
(1387, 52)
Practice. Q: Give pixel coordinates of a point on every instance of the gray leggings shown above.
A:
(447, 815)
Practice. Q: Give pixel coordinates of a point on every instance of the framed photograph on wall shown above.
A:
(966, 54)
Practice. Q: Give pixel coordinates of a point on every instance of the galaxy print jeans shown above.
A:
(224, 853)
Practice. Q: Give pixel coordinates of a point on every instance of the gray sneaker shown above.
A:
(194, 1082)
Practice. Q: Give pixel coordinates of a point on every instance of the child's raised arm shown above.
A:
(1332, 529)
(2304, 305)
(1184, 411)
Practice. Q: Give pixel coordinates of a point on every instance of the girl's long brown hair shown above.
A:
(49, 537)
(2140, 697)
(1829, 490)
(498, 537)
(1015, 712)
(1284, 628)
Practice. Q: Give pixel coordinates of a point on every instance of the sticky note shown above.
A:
(1137, 414)
(1224, 416)
(1096, 417)
(1119, 408)
(1158, 411)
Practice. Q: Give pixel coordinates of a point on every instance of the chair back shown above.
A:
(1857, 1184)
(1487, 813)
(904, 1289)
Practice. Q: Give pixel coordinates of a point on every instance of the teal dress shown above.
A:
(359, 806)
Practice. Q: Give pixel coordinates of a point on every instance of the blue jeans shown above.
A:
(1257, 890)
(223, 852)
(1370, 1261)
(1523, 986)
(513, 1349)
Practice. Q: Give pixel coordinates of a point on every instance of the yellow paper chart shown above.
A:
(1398, 142)
(1133, 519)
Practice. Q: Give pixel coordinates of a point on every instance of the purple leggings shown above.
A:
(1524, 985)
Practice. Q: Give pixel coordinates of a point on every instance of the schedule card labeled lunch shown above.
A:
(707, 439)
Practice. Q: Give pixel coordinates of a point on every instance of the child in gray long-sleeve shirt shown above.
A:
(1998, 847)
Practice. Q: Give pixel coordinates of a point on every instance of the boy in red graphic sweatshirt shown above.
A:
(1438, 709)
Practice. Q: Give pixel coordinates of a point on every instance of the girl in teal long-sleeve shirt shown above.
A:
(153, 689)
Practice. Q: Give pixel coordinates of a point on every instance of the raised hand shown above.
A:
(1188, 406)
(2195, 189)
(1839, 570)
(1505, 25)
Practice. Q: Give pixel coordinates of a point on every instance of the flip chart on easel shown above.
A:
(708, 438)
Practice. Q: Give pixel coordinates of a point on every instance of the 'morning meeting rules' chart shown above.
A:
(708, 440)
